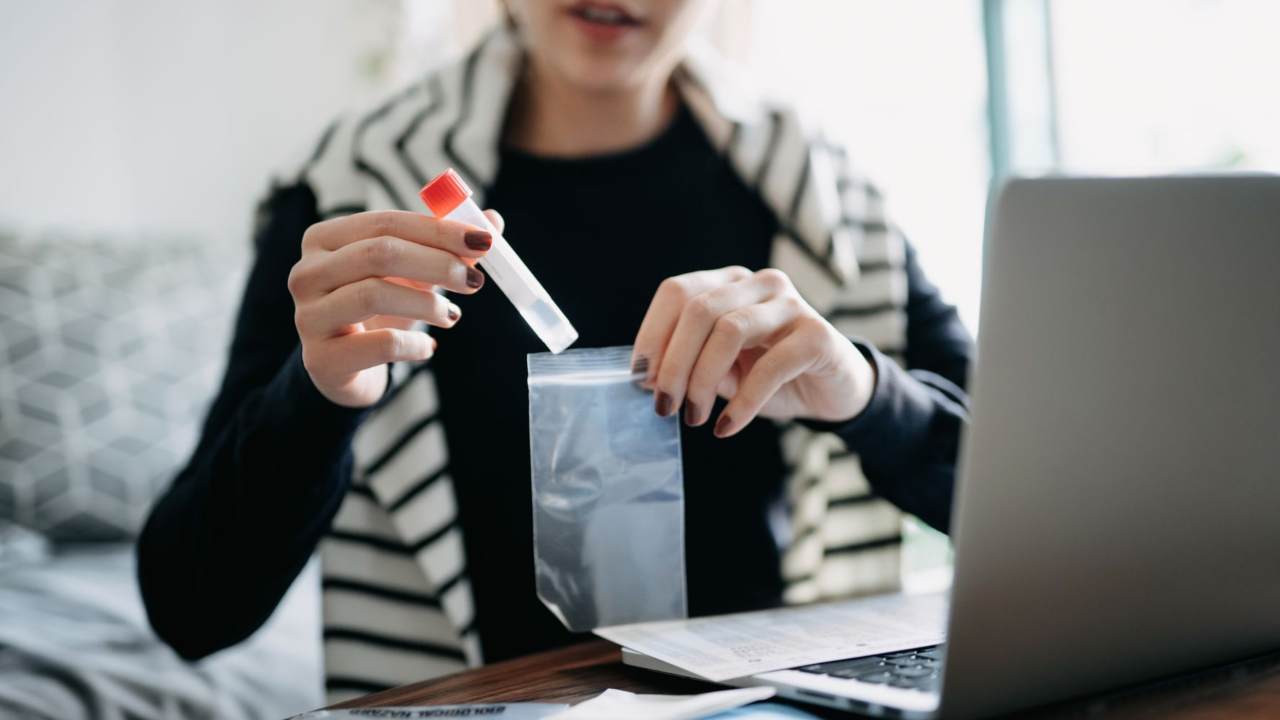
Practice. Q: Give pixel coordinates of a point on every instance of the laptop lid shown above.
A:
(1118, 512)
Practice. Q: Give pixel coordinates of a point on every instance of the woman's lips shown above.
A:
(602, 22)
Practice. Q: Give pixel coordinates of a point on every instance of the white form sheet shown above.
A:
(722, 647)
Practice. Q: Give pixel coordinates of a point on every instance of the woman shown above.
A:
(659, 207)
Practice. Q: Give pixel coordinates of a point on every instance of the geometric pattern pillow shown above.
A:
(109, 357)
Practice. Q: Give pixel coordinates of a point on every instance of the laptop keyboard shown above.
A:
(919, 669)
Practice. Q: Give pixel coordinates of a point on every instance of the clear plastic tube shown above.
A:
(449, 197)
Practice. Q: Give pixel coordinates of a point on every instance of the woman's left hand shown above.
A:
(750, 338)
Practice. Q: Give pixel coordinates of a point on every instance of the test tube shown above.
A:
(447, 196)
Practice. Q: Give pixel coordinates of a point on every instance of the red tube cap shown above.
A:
(444, 193)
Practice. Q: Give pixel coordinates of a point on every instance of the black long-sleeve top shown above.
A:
(274, 459)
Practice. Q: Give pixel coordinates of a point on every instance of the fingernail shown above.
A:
(640, 366)
(691, 414)
(662, 403)
(454, 313)
(722, 425)
(478, 239)
(475, 278)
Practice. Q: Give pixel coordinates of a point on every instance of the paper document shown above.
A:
(504, 711)
(731, 646)
(623, 705)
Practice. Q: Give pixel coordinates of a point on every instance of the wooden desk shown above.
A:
(1246, 690)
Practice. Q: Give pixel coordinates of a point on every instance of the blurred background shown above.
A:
(103, 98)
(135, 136)
(147, 123)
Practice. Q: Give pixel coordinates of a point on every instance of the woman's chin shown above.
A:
(602, 76)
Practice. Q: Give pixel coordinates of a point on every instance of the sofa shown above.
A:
(110, 351)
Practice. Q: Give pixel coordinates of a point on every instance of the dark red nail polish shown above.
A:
(722, 425)
(453, 313)
(640, 366)
(478, 239)
(662, 403)
(691, 414)
(475, 278)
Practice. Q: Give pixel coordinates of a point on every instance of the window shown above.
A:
(1167, 85)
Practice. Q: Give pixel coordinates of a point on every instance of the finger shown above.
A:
(379, 257)
(664, 310)
(389, 321)
(334, 313)
(496, 219)
(458, 238)
(359, 351)
(732, 334)
(723, 306)
(782, 363)
(416, 284)
(728, 386)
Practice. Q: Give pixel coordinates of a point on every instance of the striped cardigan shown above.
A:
(397, 605)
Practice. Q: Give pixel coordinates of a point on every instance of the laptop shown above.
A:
(1117, 513)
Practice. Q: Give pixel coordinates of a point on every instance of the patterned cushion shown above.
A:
(109, 355)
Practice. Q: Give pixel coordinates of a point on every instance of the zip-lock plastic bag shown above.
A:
(608, 492)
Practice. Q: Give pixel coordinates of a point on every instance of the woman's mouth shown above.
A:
(603, 20)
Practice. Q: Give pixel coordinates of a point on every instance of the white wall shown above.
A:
(153, 118)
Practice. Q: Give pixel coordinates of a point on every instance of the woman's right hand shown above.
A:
(364, 280)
